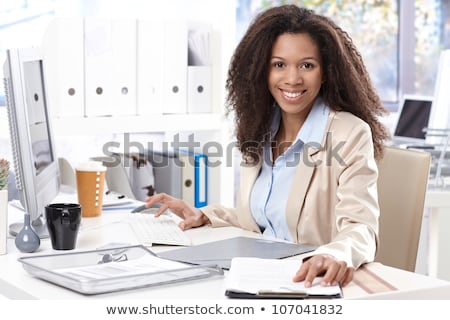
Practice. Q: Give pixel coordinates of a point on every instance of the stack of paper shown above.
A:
(272, 278)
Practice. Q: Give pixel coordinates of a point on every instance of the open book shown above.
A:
(272, 278)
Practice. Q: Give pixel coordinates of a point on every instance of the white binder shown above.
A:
(175, 67)
(63, 49)
(187, 179)
(110, 62)
(199, 69)
(150, 67)
(199, 89)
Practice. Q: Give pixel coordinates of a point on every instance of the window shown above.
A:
(22, 24)
(432, 34)
(382, 32)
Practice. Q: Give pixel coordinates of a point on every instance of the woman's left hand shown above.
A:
(332, 271)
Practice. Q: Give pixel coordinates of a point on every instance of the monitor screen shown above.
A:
(35, 161)
(414, 117)
(440, 112)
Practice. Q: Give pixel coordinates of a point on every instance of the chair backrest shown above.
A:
(402, 186)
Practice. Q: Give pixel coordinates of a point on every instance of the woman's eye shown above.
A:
(306, 65)
(278, 64)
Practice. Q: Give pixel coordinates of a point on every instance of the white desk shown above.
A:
(16, 283)
(438, 203)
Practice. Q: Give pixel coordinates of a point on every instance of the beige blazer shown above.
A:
(333, 202)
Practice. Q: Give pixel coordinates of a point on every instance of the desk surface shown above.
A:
(437, 198)
(370, 281)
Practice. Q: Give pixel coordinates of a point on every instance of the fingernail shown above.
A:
(307, 284)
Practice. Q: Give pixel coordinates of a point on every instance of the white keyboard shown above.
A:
(164, 229)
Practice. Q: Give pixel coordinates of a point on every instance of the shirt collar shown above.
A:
(313, 130)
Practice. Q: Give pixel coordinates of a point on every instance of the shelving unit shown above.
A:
(133, 124)
(221, 15)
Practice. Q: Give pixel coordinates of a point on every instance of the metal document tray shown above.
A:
(113, 269)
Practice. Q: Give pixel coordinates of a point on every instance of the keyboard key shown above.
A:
(151, 230)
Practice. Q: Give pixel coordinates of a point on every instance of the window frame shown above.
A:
(406, 45)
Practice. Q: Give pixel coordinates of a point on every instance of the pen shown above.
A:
(282, 294)
(119, 196)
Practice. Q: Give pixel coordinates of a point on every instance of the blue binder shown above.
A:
(181, 174)
(201, 180)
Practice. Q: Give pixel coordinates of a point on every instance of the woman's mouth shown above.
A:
(292, 95)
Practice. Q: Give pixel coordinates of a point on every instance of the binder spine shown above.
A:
(201, 180)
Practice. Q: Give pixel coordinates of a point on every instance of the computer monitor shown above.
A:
(414, 116)
(440, 113)
(35, 162)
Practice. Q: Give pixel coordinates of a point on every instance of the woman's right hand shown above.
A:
(192, 217)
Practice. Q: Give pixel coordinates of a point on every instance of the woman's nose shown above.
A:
(293, 76)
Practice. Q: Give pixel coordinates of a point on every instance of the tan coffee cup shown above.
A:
(90, 187)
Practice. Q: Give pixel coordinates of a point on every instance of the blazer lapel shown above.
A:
(248, 174)
(299, 187)
(302, 179)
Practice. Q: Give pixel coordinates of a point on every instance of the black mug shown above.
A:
(63, 222)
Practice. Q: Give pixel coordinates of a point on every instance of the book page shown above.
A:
(253, 275)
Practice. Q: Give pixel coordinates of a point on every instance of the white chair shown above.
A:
(402, 186)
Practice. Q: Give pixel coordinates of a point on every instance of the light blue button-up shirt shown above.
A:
(273, 184)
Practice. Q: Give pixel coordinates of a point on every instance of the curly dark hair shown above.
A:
(348, 86)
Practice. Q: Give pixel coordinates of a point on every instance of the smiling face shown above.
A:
(295, 73)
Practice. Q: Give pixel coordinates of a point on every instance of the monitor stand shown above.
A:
(39, 226)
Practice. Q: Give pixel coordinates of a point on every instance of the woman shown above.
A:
(307, 126)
